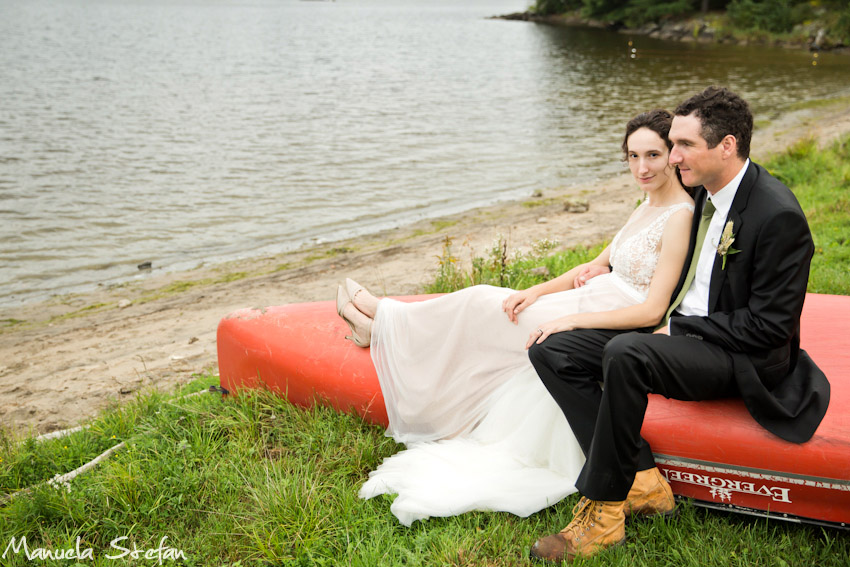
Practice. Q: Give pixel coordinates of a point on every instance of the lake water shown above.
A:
(186, 132)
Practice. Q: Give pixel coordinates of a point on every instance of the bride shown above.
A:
(481, 431)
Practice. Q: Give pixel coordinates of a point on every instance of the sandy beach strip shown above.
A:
(64, 359)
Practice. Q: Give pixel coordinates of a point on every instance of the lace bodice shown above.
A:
(635, 249)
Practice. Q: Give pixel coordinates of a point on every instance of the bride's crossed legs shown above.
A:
(364, 301)
(359, 311)
(362, 306)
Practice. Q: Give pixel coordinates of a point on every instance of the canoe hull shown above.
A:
(712, 452)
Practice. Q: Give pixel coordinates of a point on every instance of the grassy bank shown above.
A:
(254, 480)
(821, 181)
(257, 481)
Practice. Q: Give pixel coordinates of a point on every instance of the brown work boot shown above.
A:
(649, 496)
(596, 526)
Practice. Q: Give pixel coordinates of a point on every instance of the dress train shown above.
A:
(481, 430)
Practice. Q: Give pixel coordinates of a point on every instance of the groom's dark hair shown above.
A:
(721, 112)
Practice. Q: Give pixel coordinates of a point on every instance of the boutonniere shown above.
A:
(727, 237)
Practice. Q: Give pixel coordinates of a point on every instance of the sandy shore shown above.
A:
(63, 360)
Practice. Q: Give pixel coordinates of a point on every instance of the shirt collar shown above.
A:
(722, 200)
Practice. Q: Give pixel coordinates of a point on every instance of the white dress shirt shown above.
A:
(695, 301)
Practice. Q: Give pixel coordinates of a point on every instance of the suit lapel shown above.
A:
(739, 204)
(718, 274)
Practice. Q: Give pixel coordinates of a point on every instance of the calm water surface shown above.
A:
(186, 132)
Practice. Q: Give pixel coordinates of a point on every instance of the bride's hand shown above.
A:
(542, 332)
(517, 302)
(588, 272)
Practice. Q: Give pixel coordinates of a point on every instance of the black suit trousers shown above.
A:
(601, 380)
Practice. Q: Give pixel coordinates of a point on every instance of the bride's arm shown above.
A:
(517, 302)
(674, 249)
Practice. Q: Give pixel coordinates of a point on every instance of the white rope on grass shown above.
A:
(62, 433)
(198, 393)
(60, 481)
(63, 481)
(72, 430)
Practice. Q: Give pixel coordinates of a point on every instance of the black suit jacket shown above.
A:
(755, 304)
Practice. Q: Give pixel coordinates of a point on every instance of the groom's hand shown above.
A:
(545, 330)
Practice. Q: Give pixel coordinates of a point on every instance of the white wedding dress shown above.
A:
(481, 430)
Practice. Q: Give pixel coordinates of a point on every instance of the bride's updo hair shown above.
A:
(658, 120)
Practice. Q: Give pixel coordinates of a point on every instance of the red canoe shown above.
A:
(713, 452)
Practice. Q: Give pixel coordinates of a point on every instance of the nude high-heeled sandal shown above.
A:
(342, 300)
(367, 306)
(352, 288)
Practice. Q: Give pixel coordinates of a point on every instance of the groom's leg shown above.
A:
(636, 364)
(570, 366)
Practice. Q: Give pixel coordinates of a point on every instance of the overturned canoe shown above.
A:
(711, 451)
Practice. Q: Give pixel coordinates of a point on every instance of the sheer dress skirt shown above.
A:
(480, 428)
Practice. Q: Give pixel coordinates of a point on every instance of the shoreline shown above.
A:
(66, 358)
(693, 29)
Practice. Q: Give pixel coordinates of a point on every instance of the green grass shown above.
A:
(255, 480)
(322, 254)
(542, 202)
(185, 285)
(820, 103)
(437, 225)
(821, 180)
(517, 270)
(442, 224)
(88, 309)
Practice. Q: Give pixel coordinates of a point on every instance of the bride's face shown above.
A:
(647, 157)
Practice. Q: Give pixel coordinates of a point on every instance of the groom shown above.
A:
(733, 330)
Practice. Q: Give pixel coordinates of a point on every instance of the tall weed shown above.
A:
(517, 269)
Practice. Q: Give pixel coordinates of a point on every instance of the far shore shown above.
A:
(64, 359)
(699, 28)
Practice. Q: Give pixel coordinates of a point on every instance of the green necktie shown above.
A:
(707, 213)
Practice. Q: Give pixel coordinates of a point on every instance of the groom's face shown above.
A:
(697, 163)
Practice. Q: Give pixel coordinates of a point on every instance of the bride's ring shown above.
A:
(540, 331)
